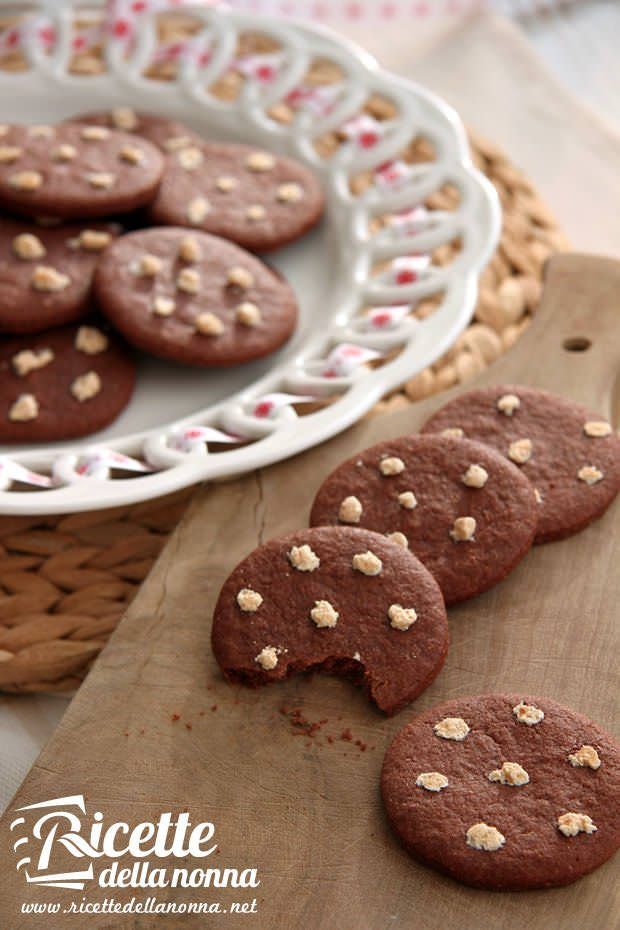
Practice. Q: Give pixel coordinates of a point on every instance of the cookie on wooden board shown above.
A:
(62, 384)
(74, 171)
(338, 600)
(504, 791)
(46, 272)
(570, 454)
(169, 135)
(464, 511)
(259, 200)
(194, 298)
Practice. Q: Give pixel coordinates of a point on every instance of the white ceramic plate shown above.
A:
(165, 433)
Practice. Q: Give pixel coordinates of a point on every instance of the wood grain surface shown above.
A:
(305, 811)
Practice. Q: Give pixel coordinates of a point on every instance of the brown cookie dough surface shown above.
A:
(570, 454)
(167, 134)
(73, 171)
(194, 298)
(256, 199)
(504, 791)
(464, 511)
(46, 272)
(338, 600)
(63, 383)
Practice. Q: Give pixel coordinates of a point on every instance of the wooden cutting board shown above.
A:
(303, 810)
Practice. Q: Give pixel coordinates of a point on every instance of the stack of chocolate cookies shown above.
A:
(124, 230)
(499, 791)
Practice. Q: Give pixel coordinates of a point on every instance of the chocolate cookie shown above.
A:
(571, 455)
(256, 199)
(62, 384)
(338, 600)
(504, 791)
(167, 134)
(464, 511)
(46, 273)
(194, 298)
(75, 171)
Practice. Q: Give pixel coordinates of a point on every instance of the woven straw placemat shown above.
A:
(65, 582)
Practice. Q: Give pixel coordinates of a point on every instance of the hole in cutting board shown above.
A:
(576, 344)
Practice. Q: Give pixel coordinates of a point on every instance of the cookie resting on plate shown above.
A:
(570, 454)
(463, 510)
(63, 383)
(258, 200)
(193, 298)
(504, 791)
(167, 134)
(46, 272)
(337, 600)
(74, 171)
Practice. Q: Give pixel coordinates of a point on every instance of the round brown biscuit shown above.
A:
(62, 384)
(356, 633)
(190, 311)
(420, 486)
(214, 188)
(575, 471)
(46, 272)
(445, 824)
(69, 171)
(169, 135)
